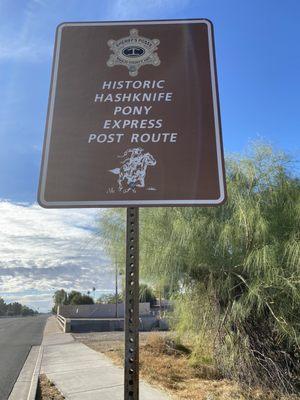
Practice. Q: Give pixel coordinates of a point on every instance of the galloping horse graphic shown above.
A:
(132, 173)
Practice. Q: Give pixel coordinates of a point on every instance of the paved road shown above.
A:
(17, 335)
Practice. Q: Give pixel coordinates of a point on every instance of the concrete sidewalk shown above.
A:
(81, 373)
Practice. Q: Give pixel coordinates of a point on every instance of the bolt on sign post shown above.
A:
(133, 121)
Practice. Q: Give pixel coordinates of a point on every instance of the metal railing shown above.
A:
(65, 323)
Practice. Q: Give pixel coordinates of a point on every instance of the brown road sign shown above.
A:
(133, 117)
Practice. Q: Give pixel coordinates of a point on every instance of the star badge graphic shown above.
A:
(133, 52)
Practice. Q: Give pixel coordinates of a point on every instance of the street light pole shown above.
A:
(116, 289)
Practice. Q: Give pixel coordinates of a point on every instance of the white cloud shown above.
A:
(130, 9)
(44, 250)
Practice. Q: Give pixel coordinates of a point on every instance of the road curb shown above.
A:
(35, 376)
(26, 385)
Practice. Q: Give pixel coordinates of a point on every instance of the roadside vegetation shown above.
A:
(146, 295)
(232, 272)
(165, 363)
(61, 297)
(47, 390)
(15, 309)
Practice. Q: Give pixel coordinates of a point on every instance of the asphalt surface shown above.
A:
(17, 335)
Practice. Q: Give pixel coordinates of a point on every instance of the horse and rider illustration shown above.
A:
(132, 173)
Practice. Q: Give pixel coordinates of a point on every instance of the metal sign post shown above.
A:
(131, 376)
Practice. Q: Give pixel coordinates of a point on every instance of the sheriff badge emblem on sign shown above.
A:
(133, 52)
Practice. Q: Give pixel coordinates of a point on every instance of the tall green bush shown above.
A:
(245, 257)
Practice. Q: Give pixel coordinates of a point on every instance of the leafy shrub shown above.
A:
(234, 270)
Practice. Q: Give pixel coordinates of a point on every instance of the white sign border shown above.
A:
(130, 203)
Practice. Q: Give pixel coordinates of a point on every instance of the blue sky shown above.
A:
(258, 61)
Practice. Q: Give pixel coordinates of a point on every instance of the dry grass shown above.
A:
(165, 364)
(47, 390)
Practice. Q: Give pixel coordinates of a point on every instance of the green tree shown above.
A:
(26, 311)
(60, 297)
(146, 295)
(77, 298)
(240, 262)
(14, 309)
(3, 307)
(85, 299)
(73, 297)
(112, 228)
(110, 298)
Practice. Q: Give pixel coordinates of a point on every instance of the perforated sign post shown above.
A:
(133, 121)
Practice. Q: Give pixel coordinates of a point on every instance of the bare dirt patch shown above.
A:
(47, 390)
(165, 364)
